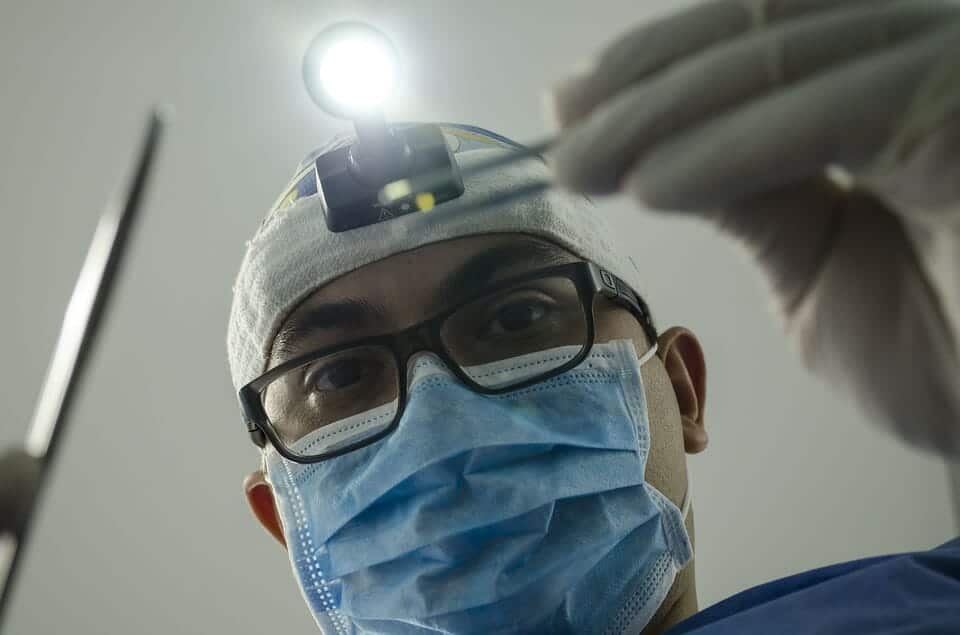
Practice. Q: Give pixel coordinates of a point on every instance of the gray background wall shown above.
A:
(144, 529)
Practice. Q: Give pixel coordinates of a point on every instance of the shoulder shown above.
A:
(916, 592)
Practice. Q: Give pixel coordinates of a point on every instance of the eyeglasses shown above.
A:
(336, 400)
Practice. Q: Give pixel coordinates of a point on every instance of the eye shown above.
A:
(515, 317)
(342, 373)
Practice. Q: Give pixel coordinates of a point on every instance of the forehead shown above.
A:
(406, 288)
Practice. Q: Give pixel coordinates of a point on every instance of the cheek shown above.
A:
(666, 464)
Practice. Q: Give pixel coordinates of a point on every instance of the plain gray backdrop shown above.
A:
(144, 529)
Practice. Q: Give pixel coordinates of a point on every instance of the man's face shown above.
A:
(407, 288)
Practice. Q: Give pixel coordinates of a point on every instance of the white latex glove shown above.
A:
(735, 110)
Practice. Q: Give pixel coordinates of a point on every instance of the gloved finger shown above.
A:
(594, 156)
(645, 50)
(652, 47)
(844, 117)
(918, 173)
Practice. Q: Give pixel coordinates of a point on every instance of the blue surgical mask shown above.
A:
(525, 512)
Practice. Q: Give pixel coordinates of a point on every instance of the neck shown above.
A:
(681, 600)
(680, 603)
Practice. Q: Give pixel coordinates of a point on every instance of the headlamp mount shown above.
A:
(350, 178)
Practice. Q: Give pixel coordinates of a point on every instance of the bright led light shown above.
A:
(350, 69)
(357, 73)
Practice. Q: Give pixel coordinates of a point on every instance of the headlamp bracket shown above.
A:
(350, 178)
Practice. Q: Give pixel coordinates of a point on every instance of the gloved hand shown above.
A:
(741, 112)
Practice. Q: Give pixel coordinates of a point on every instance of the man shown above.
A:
(470, 423)
(523, 285)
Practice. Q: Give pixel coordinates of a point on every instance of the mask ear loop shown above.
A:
(646, 357)
(685, 505)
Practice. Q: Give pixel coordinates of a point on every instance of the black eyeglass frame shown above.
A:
(589, 279)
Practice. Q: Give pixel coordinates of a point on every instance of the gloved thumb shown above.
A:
(857, 303)
(788, 231)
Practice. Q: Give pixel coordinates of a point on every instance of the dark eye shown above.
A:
(341, 374)
(515, 317)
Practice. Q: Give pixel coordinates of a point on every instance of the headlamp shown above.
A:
(349, 70)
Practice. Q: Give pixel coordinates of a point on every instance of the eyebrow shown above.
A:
(488, 265)
(346, 313)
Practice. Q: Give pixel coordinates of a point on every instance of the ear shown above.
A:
(262, 504)
(683, 358)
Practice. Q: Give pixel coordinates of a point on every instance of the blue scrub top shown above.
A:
(907, 594)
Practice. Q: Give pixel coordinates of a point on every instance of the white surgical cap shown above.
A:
(293, 253)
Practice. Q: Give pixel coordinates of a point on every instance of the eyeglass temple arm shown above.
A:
(257, 435)
(619, 292)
